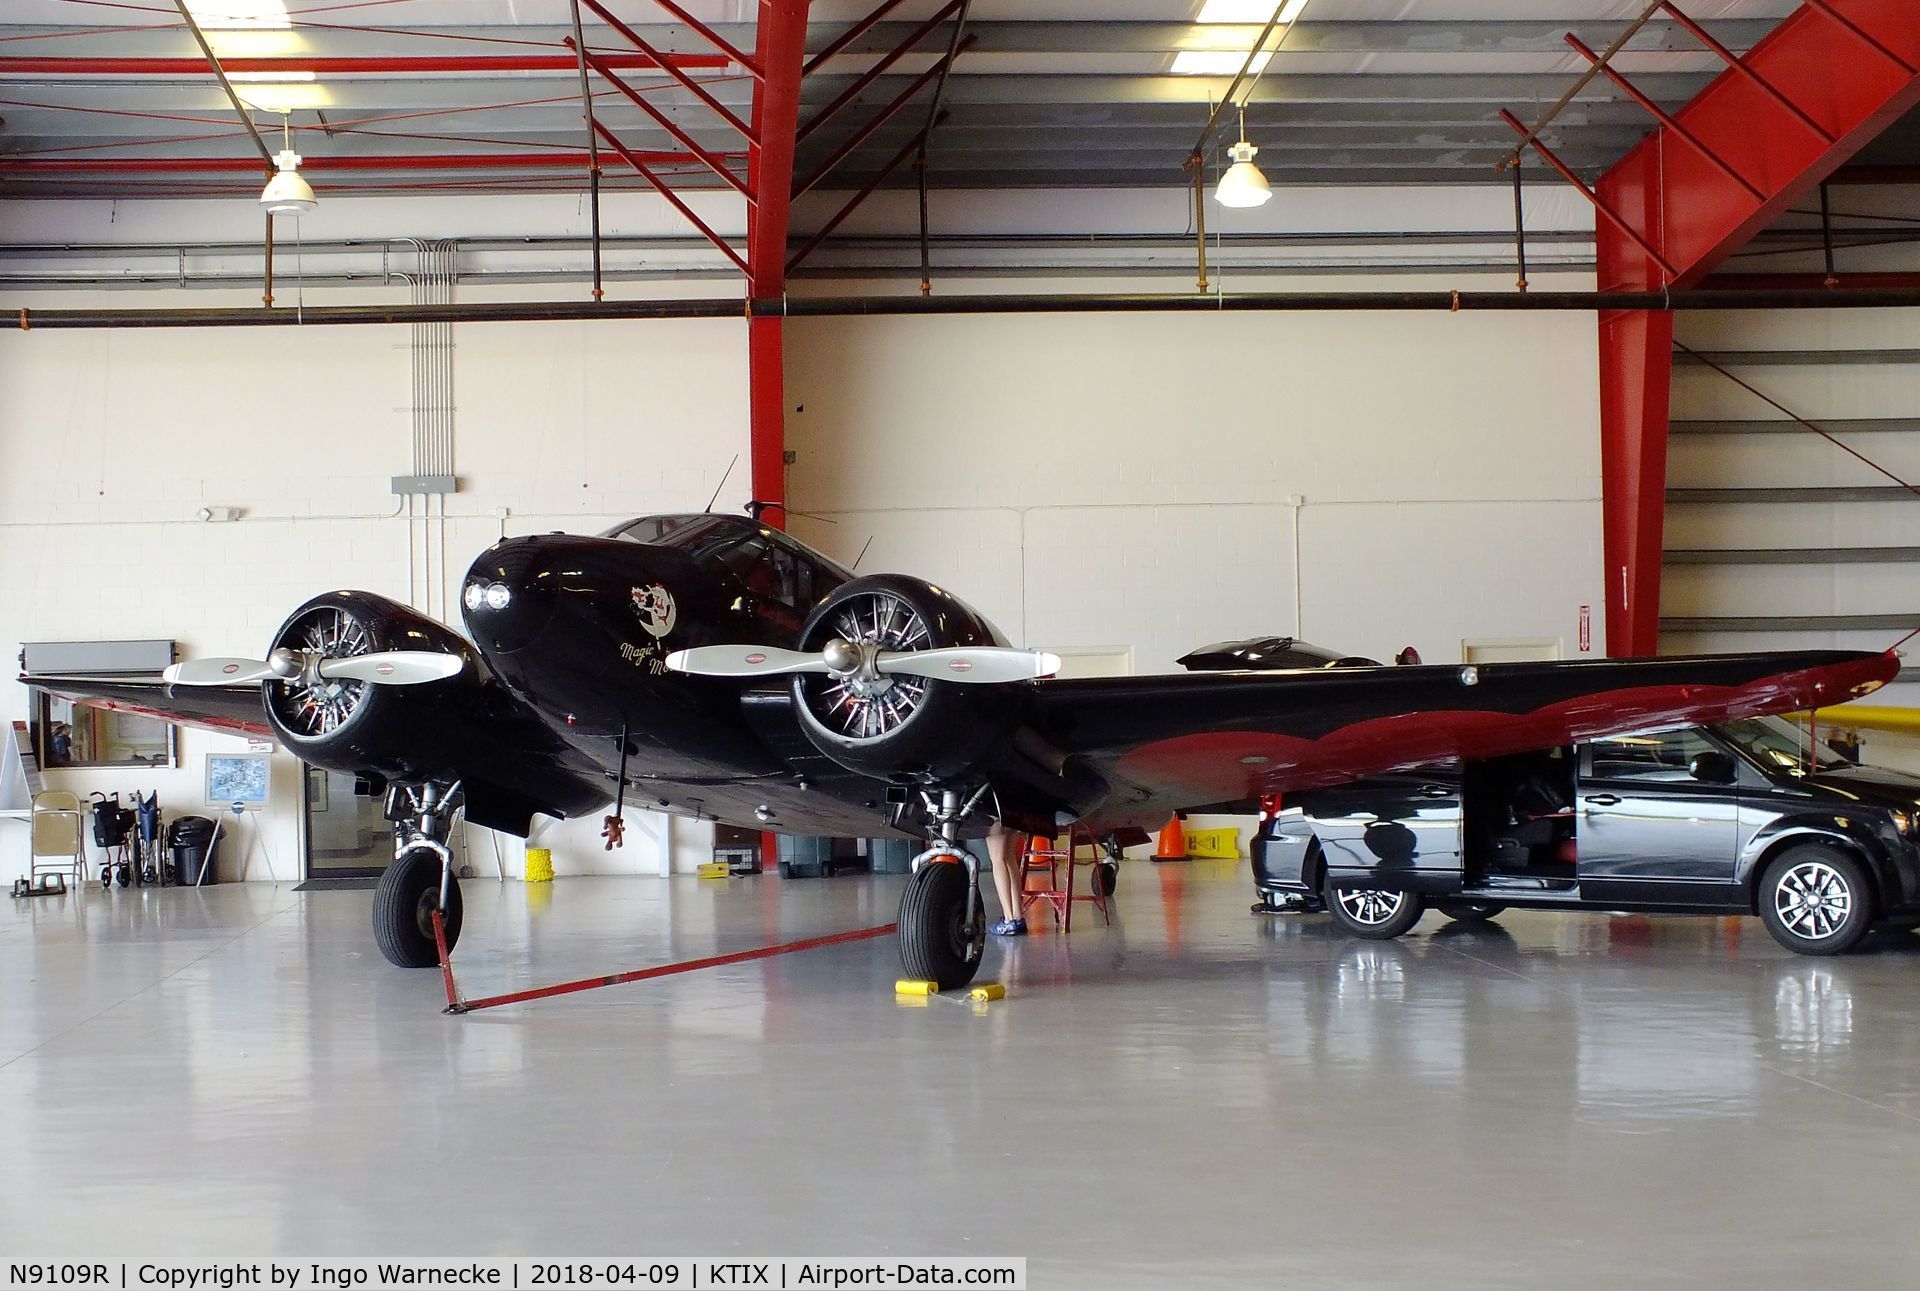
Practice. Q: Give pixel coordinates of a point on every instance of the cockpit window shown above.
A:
(768, 561)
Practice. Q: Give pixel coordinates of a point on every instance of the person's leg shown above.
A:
(1001, 845)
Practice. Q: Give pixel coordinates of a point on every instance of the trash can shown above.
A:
(891, 855)
(805, 858)
(190, 841)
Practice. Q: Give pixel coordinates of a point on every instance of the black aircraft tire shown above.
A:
(1106, 878)
(403, 906)
(1379, 916)
(1470, 911)
(934, 945)
(1840, 896)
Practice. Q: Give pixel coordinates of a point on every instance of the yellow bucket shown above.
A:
(539, 865)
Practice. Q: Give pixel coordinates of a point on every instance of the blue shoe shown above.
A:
(1009, 928)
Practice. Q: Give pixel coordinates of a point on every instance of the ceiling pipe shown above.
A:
(345, 66)
(852, 306)
(353, 161)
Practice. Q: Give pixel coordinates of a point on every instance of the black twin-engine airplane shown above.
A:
(715, 667)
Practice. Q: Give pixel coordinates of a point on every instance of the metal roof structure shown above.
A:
(112, 98)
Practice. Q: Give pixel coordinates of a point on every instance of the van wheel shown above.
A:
(1470, 911)
(1374, 914)
(1816, 900)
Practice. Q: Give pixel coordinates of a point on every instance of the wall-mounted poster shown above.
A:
(237, 777)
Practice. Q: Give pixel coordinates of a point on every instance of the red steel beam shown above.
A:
(378, 65)
(665, 64)
(1600, 206)
(1661, 115)
(639, 164)
(879, 178)
(879, 69)
(667, 123)
(850, 35)
(880, 118)
(356, 161)
(1785, 118)
(707, 33)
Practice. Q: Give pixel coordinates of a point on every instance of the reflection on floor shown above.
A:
(1194, 1095)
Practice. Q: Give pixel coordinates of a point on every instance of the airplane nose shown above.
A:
(509, 596)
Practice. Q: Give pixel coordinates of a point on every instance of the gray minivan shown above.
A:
(1749, 817)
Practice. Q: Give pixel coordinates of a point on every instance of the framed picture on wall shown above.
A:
(237, 777)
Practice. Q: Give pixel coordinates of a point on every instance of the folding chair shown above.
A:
(59, 836)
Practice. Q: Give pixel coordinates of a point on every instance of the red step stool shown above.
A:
(1040, 855)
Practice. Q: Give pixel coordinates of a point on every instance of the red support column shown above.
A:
(1758, 139)
(1636, 370)
(780, 49)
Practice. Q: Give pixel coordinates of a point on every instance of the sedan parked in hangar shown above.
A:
(1743, 818)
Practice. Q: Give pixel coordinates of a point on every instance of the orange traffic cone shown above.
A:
(1173, 841)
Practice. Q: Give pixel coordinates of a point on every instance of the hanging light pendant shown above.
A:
(287, 193)
(1243, 185)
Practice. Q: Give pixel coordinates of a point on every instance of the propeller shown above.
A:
(382, 668)
(975, 665)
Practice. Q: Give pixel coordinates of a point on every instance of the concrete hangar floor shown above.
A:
(1192, 1097)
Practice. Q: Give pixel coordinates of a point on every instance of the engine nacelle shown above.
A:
(903, 729)
(405, 733)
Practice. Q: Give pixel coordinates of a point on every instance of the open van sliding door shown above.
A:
(1399, 831)
(1648, 831)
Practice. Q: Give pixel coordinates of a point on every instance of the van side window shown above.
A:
(1664, 756)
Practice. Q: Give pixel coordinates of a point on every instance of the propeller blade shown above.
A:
(978, 665)
(743, 661)
(218, 672)
(394, 667)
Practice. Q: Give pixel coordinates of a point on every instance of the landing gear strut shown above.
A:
(420, 880)
(943, 921)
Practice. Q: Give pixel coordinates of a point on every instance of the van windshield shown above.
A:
(1778, 745)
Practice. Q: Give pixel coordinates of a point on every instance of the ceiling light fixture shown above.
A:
(1243, 185)
(287, 193)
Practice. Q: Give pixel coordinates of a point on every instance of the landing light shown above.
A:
(472, 596)
(498, 596)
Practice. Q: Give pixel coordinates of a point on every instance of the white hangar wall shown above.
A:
(1092, 482)
(111, 441)
(1097, 482)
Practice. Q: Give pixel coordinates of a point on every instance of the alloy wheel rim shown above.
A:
(1370, 907)
(1813, 900)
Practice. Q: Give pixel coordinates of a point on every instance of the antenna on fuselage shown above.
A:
(722, 484)
(863, 553)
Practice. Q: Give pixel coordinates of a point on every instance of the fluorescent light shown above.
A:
(229, 15)
(281, 96)
(1248, 11)
(1215, 62)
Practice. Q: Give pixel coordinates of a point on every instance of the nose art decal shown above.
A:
(654, 604)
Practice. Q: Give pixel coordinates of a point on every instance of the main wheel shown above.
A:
(1816, 900)
(403, 906)
(1376, 915)
(1469, 911)
(1106, 877)
(939, 942)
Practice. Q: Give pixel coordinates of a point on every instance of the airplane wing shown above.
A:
(1182, 742)
(232, 710)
